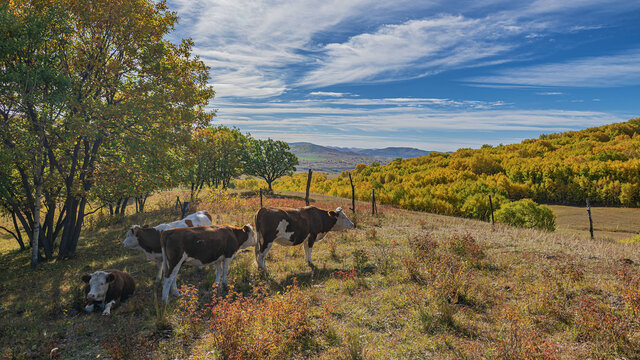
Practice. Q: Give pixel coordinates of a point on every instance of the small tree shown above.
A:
(269, 159)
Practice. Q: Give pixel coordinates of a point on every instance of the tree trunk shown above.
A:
(18, 233)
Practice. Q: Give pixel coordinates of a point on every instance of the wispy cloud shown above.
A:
(433, 124)
(327, 93)
(549, 93)
(413, 49)
(601, 71)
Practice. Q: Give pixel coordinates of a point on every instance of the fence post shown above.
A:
(185, 209)
(260, 198)
(353, 195)
(306, 198)
(491, 207)
(590, 220)
(178, 204)
(373, 202)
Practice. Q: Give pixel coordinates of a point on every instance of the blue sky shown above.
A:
(436, 75)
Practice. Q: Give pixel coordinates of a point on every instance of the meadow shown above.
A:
(402, 285)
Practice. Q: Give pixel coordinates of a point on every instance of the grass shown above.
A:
(608, 222)
(403, 285)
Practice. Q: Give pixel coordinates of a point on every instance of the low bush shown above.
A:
(260, 326)
(527, 214)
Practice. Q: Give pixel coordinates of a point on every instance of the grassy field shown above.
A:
(608, 222)
(403, 285)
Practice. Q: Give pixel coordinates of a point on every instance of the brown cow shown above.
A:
(201, 246)
(147, 238)
(107, 288)
(290, 227)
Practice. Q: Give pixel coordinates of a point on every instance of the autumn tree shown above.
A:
(33, 91)
(269, 159)
(125, 82)
(214, 157)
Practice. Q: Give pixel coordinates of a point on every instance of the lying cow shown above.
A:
(202, 246)
(107, 288)
(289, 227)
(147, 238)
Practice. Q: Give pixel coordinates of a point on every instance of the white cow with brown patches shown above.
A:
(147, 238)
(290, 227)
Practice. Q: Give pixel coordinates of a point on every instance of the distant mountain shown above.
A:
(334, 159)
(395, 152)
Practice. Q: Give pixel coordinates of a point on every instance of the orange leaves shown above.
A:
(261, 326)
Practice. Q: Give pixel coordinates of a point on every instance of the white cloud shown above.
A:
(549, 93)
(601, 71)
(327, 93)
(413, 49)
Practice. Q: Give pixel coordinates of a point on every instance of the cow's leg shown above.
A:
(219, 270)
(262, 258)
(159, 276)
(308, 247)
(225, 270)
(89, 308)
(107, 307)
(170, 280)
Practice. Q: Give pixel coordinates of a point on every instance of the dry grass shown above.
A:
(403, 285)
(608, 222)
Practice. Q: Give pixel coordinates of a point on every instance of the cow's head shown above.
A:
(342, 222)
(99, 283)
(251, 237)
(131, 241)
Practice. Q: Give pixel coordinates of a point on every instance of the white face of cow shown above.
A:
(251, 240)
(343, 222)
(131, 241)
(98, 285)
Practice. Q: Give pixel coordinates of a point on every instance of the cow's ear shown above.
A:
(110, 277)
(246, 228)
(189, 223)
(86, 278)
(333, 213)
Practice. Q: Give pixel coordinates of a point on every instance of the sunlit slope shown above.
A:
(563, 168)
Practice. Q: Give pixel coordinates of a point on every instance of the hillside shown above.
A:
(335, 159)
(601, 163)
(403, 285)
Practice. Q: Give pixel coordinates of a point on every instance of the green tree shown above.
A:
(214, 157)
(32, 99)
(269, 159)
(126, 84)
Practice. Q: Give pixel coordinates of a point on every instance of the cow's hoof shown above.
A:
(89, 308)
(106, 312)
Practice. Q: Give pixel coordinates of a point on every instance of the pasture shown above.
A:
(402, 285)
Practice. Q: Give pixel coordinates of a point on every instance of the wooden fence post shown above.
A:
(178, 205)
(260, 198)
(491, 207)
(374, 210)
(185, 209)
(590, 220)
(353, 195)
(306, 198)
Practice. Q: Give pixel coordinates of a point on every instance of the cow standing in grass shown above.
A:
(147, 238)
(202, 246)
(290, 227)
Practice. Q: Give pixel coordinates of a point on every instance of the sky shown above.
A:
(434, 75)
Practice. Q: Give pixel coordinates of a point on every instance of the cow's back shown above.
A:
(205, 243)
(123, 285)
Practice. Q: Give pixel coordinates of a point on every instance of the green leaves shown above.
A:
(269, 159)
